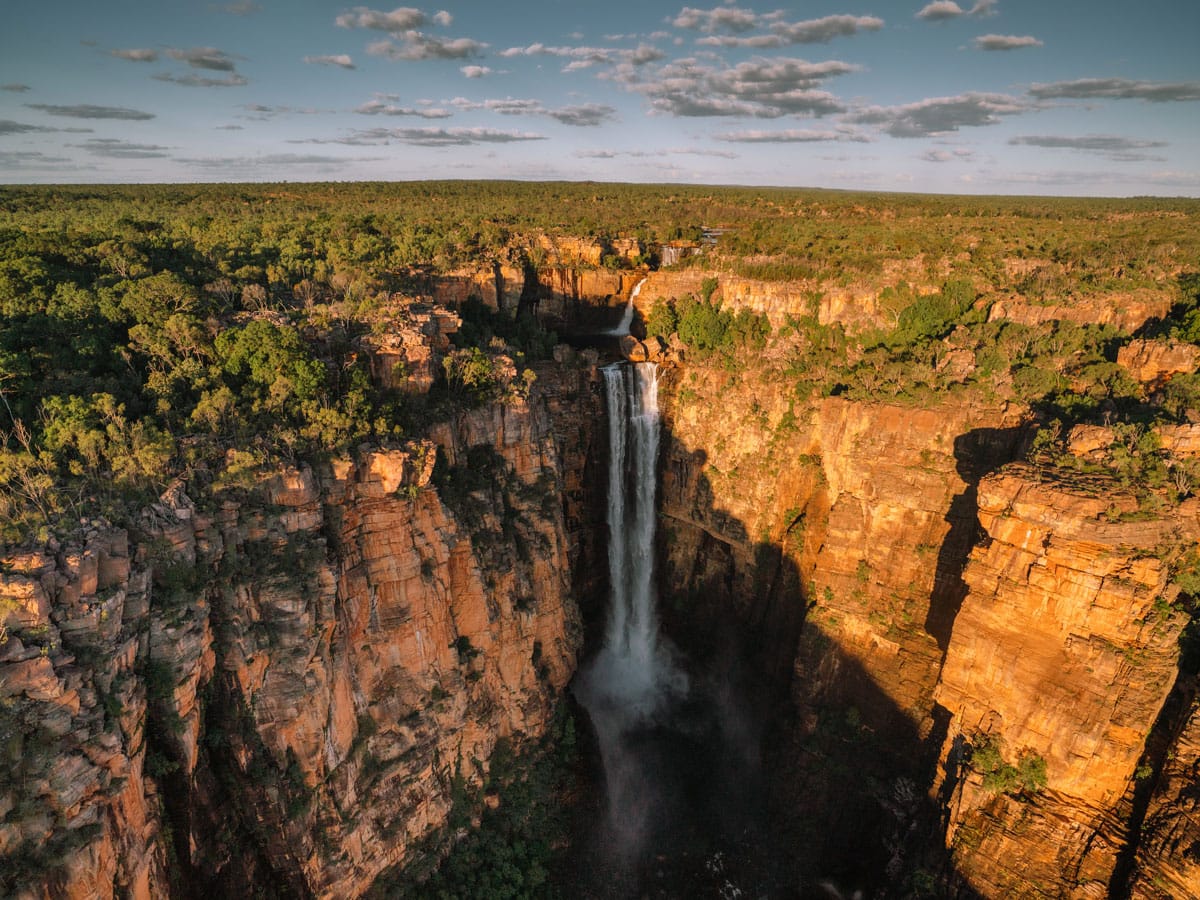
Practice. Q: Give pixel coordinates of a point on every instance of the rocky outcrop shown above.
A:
(409, 358)
(1127, 312)
(1167, 865)
(1062, 656)
(292, 683)
(498, 285)
(1153, 362)
(853, 306)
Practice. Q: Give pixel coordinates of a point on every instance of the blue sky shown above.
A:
(982, 96)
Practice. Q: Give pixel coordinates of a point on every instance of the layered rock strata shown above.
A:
(292, 683)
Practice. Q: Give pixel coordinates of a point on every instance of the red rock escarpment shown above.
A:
(1065, 650)
(287, 687)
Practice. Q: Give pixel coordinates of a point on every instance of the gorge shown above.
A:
(878, 581)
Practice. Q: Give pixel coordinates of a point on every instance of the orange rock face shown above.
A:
(1065, 650)
(1152, 362)
(306, 669)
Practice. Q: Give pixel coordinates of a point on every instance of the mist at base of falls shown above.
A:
(679, 746)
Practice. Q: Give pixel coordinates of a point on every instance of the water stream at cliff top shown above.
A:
(626, 322)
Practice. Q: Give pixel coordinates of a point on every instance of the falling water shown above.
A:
(632, 676)
(627, 319)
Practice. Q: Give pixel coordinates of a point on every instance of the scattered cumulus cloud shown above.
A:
(415, 45)
(398, 20)
(1005, 42)
(586, 57)
(759, 88)
(8, 126)
(1118, 89)
(36, 160)
(203, 58)
(139, 54)
(88, 111)
(405, 40)
(342, 60)
(261, 112)
(191, 79)
(729, 26)
(1114, 147)
(811, 31)
(822, 31)
(475, 71)
(113, 148)
(381, 108)
(722, 18)
(941, 10)
(939, 115)
(960, 154)
(650, 154)
(791, 136)
(430, 137)
(581, 115)
(266, 162)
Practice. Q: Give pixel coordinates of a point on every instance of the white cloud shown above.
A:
(405, 41)
(822, 31)
(475, 71)
(1118, 89)
(940, 10)
(1005, 42)
(341, 59)
(88, 111)
(1114, 147)
(204, 58)
(429, 137)
(380, 108)
(721, 18)
(791, 136)
(415, 45)
(194, 80)
(582, 115)
(759, 88)
(398, 20)
(113, 148)
(651, 154)
(8, 126)
(586, 57)
(939, 115)
(136, 54)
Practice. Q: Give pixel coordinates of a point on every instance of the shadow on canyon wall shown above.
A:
(788, 771)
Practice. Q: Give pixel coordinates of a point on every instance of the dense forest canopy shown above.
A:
(149, 331)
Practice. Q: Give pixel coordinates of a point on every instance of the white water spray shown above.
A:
(632, 676)
(627, 319)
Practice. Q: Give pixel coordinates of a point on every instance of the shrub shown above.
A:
(1002, 777)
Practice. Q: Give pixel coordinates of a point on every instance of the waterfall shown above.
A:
(633, 676)
(627, 319)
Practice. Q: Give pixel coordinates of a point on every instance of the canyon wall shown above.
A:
(979, 652)
(295, 680)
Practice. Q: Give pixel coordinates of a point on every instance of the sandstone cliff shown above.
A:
(1063, 655)
(290, 681)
